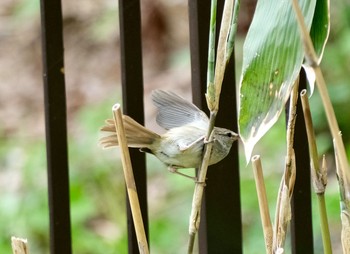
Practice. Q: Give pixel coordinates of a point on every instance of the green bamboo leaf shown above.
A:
(272, 57)
(320, 27)
(319, 35)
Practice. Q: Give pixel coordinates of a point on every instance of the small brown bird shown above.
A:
(182, 145)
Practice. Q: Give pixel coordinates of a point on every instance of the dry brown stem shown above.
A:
(130, 181)
(263, 204)
(283, 207)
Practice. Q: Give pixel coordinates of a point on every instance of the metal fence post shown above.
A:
(56, 126)
(301, 224)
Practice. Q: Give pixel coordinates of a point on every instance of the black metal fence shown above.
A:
(221, 225)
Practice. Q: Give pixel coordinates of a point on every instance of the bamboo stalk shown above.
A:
(215, 78)
(313, 61)
(283, 207)
(319, 175)
(130, 181)
(214, 89)
(345, 234)
(343, 169)
(339, 148)
(19, 245)
(211, 47)
(198, 195)
(263, 204)
(290, 169)
(344, 213)
(319, 185)
(233, 30)
(327, 244)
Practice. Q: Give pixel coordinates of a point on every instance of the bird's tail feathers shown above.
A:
(136, 135)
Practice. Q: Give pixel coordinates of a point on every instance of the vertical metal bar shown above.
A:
(56, 129)
(132, 85)
(220, 228)
(301, 225)
(199, 17)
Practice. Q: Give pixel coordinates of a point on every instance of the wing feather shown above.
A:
(175, 111)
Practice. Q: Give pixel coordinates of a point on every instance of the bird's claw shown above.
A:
(206, 141)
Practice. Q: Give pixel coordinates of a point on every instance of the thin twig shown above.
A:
(130, 181)
(263, 204)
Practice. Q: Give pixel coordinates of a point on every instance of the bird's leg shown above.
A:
(174, 170)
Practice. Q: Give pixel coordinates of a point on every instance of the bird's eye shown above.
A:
(229, 134)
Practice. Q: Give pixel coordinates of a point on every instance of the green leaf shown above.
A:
(272, 57)
(319, 33)
(320, 27)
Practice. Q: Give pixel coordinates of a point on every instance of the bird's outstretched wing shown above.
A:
(175, 111)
